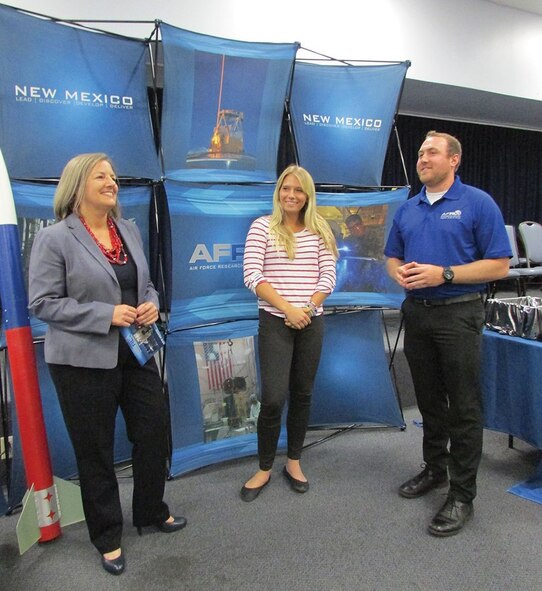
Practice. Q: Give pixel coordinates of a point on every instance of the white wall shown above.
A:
(469, 43)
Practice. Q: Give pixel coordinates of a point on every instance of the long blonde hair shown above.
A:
(310, 217)
(71, 187)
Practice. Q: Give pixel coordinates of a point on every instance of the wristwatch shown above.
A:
(448, 275)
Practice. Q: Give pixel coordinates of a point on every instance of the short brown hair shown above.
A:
(454, 145)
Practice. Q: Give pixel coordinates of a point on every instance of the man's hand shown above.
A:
(417, 276)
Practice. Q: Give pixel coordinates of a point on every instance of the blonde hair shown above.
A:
(71, 186)
(312, 220)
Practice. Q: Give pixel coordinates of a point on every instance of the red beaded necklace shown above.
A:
(116, 254)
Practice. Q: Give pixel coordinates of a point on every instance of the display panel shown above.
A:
(214, 418)
(223, 105)
(34, 206)
(65, 92)
(209, 225)
(342, 118)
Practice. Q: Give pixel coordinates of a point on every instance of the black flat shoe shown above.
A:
(114, 566)
(165, 527)
(249, 494)
(451, 518)
(297, 485)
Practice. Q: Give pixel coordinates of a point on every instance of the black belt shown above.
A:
(466, 297)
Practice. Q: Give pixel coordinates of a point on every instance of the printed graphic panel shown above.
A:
(209, 227)
(223, 106)
(65, 91)
(213, 375)
(228, 387)
(34, 205)
(342, 118)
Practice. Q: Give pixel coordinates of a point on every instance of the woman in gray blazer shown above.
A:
(89, 277)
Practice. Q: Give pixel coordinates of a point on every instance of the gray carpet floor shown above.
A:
(350, 531)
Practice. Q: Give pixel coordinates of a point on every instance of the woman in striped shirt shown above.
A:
(289, 263)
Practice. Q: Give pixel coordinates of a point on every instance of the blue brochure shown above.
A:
(144, 341)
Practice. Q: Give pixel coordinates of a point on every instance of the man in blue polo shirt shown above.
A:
(445, 244)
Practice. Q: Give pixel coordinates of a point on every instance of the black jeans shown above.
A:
(89, 399)
(289, 360)
(442, 346)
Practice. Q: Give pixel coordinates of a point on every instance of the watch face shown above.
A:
(448, 274)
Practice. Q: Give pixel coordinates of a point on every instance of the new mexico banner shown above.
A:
(64, 91)
(342, 118)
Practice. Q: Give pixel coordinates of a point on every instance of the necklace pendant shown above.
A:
(116, 254)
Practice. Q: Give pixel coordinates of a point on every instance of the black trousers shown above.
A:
(89, 399)
(289, 360)
(442, 346)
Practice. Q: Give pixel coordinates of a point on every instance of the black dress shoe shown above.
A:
(451, 518)
(297, 485)
(165, 526)
(249, 494)
(422, 483)
(168, 527)
(114, 566)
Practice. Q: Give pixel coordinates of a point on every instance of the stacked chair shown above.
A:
(531, 236)
(522, 271)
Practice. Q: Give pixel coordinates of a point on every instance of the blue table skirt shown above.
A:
(512, 386)
(512, 390)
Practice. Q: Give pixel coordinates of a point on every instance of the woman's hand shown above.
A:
(147, 313)
(143, 315)
(123, 315)
(297, 318)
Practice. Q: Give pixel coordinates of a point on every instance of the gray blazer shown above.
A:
(74, 290)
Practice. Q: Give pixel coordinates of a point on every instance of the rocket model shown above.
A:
(41, 516)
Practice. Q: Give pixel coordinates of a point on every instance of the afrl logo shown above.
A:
(319, 120)
(217, 253)
(451, 215)
(39, 94)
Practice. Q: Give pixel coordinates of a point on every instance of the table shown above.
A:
(512, 391)
(512, 386)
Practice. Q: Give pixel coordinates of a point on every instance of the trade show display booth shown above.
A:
(197, 161)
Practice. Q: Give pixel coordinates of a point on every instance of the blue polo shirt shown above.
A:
(465, 225)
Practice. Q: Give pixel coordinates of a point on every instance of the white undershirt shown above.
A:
(434, 197)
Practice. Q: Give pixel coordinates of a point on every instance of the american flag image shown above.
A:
(219, 363)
